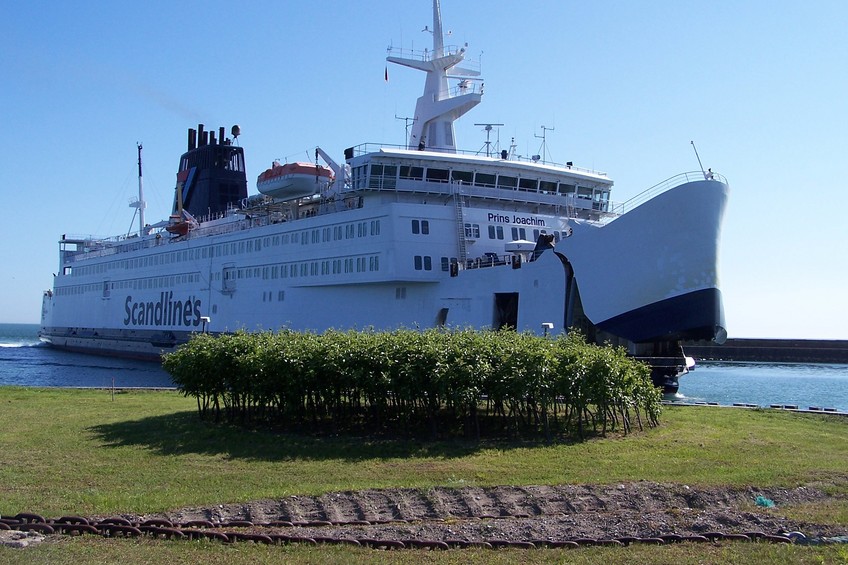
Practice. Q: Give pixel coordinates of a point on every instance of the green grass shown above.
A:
(81, 452)
(90, 549)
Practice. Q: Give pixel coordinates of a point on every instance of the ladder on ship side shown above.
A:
(459, 204)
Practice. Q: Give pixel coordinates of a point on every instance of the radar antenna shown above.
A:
(407, 122)
(488, 144)
(543, 150)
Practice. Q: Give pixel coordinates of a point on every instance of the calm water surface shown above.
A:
(24, 361)
(817, 384)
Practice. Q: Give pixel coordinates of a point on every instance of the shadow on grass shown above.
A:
(183, 433)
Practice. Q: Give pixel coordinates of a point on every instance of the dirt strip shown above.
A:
(564, 512)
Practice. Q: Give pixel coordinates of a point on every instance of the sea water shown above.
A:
(805, 385)
(25, 361)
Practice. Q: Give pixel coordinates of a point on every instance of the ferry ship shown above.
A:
(418, 236)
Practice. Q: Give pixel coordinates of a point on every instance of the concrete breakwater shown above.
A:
(771, 350)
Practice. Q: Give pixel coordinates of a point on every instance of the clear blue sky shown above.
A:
(760, 86)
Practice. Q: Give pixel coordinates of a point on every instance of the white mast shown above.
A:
(437, 109)
(140, 203)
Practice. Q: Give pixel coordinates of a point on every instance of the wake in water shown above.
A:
(23, 344)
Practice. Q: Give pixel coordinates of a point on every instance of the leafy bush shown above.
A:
(432, 382)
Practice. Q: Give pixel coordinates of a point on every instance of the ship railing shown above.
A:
(374, 147)
(659, 188)
(427, 55)
(490, 260)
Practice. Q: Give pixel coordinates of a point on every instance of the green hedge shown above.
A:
(432, 382)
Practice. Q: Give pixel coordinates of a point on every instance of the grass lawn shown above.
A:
(82, 452)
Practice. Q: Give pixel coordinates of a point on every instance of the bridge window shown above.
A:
(437, 175)
(465, 177)
(411, 173)
(483, 179)
(530, 185)
(547, 186)
(507, 182)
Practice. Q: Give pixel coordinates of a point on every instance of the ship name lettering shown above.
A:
(528, 221)
(164, 312)
(517, 220)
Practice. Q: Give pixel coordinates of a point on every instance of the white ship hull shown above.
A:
(662, 251)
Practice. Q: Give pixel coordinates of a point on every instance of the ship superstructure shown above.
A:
(421, 235)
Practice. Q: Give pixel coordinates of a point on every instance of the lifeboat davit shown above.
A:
(293, 180)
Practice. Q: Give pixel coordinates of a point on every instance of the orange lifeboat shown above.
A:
(293, 180)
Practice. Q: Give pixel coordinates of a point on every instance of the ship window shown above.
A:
(584, 193)
(418, 263)
(518, 233)
(390, 177)
(566, 188)
(374, 263)
(472, 231)
(437, 175)
(466, 177)
(483, 179)
(421, 226)
(376, 174)
(428, 263)
(375, 227)
(507, 182)
(529, 185)
(411, 173)
(400, 293)
(445, 264)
